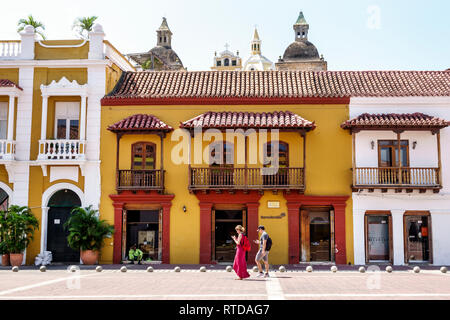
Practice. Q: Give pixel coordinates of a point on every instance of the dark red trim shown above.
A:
(118, 101)
(295, 201)
(127, 197)
(207, 202)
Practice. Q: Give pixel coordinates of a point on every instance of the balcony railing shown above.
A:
(62, 149)
(9, 49)
(245, 178)
(7, 149)
(396, 177)
(140, 179)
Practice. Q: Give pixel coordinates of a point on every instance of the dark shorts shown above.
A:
(260, 256)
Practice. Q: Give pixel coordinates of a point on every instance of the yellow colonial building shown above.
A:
(50, 94)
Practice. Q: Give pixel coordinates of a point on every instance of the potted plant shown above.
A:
(21, 224)
(87, 233)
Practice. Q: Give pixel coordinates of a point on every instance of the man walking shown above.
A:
(263, 253)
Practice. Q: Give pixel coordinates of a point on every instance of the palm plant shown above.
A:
(38, 26)
(86, 230)
(20, 226)
(83, 25)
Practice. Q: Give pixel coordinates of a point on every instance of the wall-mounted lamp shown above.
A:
(184, 209)
(372, 144)
(414, 144)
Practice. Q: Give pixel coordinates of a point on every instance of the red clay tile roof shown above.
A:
(220, 85)
(269, 120)
(394, 120)
(8, 83)
(140, 122)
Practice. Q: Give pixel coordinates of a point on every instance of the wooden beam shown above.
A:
(438, 140)
(354, 158)
(399, 158)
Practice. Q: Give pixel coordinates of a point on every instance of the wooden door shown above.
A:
(213, 235)
(304, 236)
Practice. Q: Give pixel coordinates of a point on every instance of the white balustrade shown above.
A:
(62, 149)
(10, 49)
(7, 149)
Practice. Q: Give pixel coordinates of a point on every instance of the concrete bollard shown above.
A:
(123, 269)
(362, 269)
(255, 269)
(177, 269)
(202, 269)
(444, 269)
(309, 269)
(389, 269)
(43, 268)
(416, 269)
(150, 269)
(73, 269)
(229, 269)
(334, 269)
(99, 269)
(15, 269)
(282, 269)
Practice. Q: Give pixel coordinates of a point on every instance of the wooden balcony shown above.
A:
(396, 178)
(140, 180)
(224, 178)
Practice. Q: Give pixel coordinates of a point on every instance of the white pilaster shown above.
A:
(96, 37)
(44, 223)
(83, 118)
(10, 133)
(359, 240)
(397, 237)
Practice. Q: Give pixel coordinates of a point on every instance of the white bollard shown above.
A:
(416, 269)
(229, 269)
(362, 269)
(99, 269)
(150, 269)
(73, 269)
(309, 269)
(389, 269)
(255, 269)
(15, 269)
(444, 269)
(282, 269)
(123, 269)
(177, 269)
(202, 269)
(43, 269)
(334, 269)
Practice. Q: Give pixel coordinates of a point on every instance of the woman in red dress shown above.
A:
(240, 265)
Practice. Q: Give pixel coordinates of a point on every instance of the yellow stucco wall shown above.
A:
(328, 163)
(113, 74)
(61, 53)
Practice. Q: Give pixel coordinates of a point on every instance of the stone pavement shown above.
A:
(216, 283)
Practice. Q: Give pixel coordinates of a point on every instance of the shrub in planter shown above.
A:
(20, 227)
(3, 230)
(87, 233)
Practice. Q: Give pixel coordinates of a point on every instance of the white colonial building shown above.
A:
(401, 204)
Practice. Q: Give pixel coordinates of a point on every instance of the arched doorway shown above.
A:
(60, 205)
(4, 200)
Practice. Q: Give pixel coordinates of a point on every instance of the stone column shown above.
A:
(205, 232)
(294, 231)
(117, 251)
(166, 232)
(252, 225)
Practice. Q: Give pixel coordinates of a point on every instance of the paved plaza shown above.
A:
(165, 284)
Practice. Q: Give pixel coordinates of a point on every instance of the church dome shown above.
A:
(301, 50)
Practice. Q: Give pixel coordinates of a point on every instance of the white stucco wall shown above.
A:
(425, 155)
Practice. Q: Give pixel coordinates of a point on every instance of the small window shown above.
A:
(3, 119)
(226, 62)
(219, 63)
(67, 120)
(233, 62)
(225, 156)
(143, 156)
(165, 39)
(283, 154)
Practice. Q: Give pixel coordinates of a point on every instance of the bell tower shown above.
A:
(301, 28)
(256, 43)
(164, 35)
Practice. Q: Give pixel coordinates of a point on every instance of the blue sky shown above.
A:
(351, 34)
